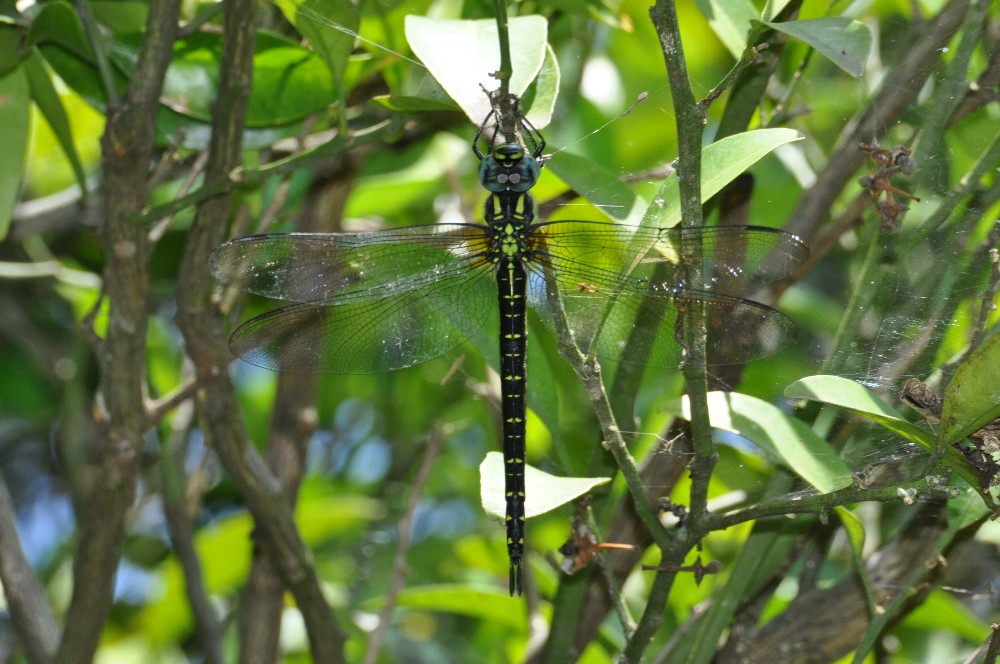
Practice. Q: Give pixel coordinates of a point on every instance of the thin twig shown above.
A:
(180, 525)
(750, 55)
(158, 409)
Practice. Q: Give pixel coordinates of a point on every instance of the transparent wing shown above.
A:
(623, 294)
(368, 333)
(733, 258)
(335, 267)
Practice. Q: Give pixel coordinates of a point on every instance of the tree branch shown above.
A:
(127, 148)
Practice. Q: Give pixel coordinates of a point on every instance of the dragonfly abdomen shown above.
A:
(512, 286)
(509, 213)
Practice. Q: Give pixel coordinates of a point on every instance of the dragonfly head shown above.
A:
(508, 168)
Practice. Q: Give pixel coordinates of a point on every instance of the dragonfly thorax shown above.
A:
(508, 168)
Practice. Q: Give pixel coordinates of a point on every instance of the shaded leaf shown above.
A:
(15, 107)
(846, 42)
(11, 53)
(44, 94)
(334, 46)
(972, 399)
(58, 23)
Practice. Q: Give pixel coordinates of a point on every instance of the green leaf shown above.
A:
(854, 528)
(730, 21)
(846, 42)
(781, 436)
(11, 52)
(598, 184)
(967, 508)
(58, 23)
(44, 94)
(543, 492)
(539, 100)
(858, 399)
(492, 606)
(721, 163)
(122, 16)
(461, 55)
(972, 399)
(334, 46)
(77, 73)
(290, 82)
(411, 104)
(15, 107)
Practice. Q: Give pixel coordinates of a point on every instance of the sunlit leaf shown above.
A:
(437, 42)
(730, 21)
(856, 398)
(493, 606)
(543, 492)
(782, 436)
(721, 162)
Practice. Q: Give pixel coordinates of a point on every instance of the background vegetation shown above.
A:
(163, 503)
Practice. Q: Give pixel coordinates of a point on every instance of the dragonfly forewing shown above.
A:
(371, 333)
(622, 290)
(308, 267)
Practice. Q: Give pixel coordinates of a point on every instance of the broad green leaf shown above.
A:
(721, 162)
(15, 107)
(944, 610)
(730, 21)
(493, 606)
(289, 83)
(972, 399)
(57, 23)
(461, 55)
(780, 435)
(11, 53)
(122, 16)
(77, 73)
(334, 46)
(858, 399)
(598, 185)
(543, 492)
(846, 42)
(44, 94)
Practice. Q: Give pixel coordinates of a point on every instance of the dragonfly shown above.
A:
(383, 300)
